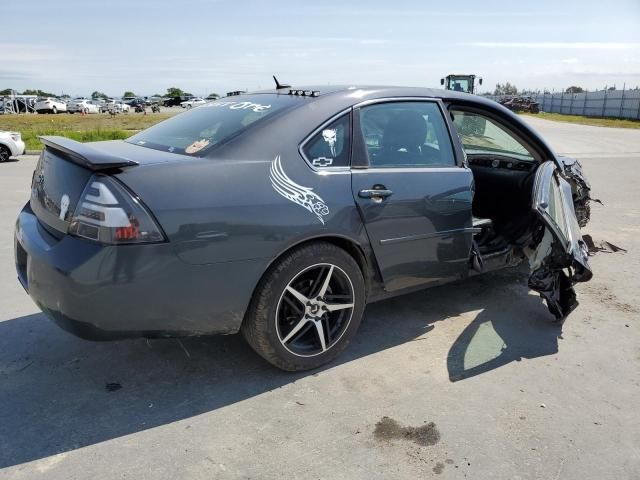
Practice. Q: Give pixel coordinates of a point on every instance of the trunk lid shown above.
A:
(65, 167)
(56, 188)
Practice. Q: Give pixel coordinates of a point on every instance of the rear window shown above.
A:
(200, 129)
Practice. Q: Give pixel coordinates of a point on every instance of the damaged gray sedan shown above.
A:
(282, 213)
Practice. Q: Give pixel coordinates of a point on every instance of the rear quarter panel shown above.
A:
(226, 209)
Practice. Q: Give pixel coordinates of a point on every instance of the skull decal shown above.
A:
(64, 206)
(329, 136)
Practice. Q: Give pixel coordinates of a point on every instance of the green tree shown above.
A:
(96, 95)
(505, 89)
(213, 96)
(5, 92)
(39, 93)
(175, 92)
(574, 89)
(128, 93)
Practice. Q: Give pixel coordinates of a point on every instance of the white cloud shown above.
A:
(558, 45)
(25, 53)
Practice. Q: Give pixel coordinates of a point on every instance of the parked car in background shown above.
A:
(115, 106)
(106, 104)
(134, 101)
(151, 100)
(121, 107)
(100, 103)
(82, 105)
(175, 101)
(281, 215)
(11, 145)
(50, 105)
(194, 102)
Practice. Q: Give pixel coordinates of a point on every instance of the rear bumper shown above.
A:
(103, 292)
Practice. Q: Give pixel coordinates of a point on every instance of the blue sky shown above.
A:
(77, 46)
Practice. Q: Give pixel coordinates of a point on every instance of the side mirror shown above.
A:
(442, 81)
(480, 80)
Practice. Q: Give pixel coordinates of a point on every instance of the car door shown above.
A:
(552, 200)
(413, 194)
(562, 260)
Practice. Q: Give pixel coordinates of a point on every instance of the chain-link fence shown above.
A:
(602, 103)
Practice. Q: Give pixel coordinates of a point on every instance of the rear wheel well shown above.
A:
(352, 248)
(345, 244)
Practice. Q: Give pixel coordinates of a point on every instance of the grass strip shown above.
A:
(582, 120)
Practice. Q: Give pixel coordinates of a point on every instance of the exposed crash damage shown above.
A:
(559, 259)
(580, 189)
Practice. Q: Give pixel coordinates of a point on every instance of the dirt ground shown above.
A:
(463, 381)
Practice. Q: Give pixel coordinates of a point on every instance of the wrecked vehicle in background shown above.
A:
(520, 104)
(282, 213)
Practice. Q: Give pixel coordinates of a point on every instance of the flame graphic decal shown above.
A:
(303, 196)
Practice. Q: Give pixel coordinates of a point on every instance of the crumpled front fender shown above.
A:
(580, 188)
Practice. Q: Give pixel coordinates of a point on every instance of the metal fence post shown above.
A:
(573, 94)
(604, 103)
(624, 85)
(584, 105)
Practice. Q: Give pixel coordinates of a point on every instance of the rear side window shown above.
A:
(406, 134)
(200, 129)
(330, 146)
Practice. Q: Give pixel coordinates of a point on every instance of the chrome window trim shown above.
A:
(459, 162)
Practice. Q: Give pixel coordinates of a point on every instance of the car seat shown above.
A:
(403, 137)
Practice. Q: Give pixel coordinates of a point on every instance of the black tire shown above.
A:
(54, 110)
(263, 324)
(5, 153)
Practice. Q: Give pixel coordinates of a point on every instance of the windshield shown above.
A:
(459, 84)
(199, 129)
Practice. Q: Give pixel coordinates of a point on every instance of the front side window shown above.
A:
(483, 136)
(330, 146)
(200, 129)
(406, 134)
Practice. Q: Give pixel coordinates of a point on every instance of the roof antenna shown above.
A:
(280, 86)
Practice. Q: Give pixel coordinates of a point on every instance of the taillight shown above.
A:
(108, 213)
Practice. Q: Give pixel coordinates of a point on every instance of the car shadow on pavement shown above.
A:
(59, 393)
(497, 337)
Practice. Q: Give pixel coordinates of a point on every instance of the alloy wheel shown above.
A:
(314, 310)
(4, 153)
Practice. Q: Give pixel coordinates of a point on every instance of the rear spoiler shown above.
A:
(86, 155)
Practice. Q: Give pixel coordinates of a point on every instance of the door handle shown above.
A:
(375, 193)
